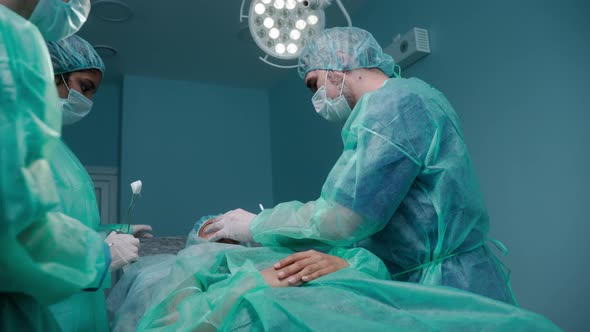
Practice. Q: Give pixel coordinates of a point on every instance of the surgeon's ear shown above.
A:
(335, 77)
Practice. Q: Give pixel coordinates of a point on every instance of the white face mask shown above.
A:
(333, 110)
(75, 107)
(57, 19)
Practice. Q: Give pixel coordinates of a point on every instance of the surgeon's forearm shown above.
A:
(314, 223)
(103, 272)
(55, 250)
(363, 260)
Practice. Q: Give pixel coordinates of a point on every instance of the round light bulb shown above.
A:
(280, 48)
(300, 24)
(279, 4)
(274, 33)
(259, 9)
(295, 34)
(312, 19)
(292, 48)
(291, 4)
(266, 1)
(269, 22)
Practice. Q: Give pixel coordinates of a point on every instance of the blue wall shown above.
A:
(96, 138)
(516, 73)
(304, 146)
(198, 148)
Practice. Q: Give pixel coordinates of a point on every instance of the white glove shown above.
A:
(234, 225)
(124, 249)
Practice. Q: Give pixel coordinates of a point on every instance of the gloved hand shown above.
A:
(142, 231)
(124, 249)
(234, 225)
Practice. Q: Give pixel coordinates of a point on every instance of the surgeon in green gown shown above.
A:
(78, 71)
(404, 186)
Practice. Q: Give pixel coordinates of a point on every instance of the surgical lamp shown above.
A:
(281, 28)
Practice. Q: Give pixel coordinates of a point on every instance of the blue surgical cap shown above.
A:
(342, 49)
(74, 54)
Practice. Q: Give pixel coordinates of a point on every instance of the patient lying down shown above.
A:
(295, 269)
(228, 287)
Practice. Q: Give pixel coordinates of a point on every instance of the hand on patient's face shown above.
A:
(307, 266)
(232, 225)
(203, 235)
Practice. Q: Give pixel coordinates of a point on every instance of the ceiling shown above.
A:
(189, 40)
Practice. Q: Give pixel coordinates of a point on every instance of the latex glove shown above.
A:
(234, 225)
(142, 231)
(307, 266)
(124, 249)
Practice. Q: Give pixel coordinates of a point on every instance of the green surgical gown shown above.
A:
(45, 254)
(404, 188)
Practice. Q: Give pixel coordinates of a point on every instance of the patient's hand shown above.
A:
(142, 231)
(271, 278)
(307, 266)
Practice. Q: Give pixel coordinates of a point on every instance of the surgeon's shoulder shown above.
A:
(398, 94)
(12, 24)
(402, 87)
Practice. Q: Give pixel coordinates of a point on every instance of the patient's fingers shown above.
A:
(293, 258)
(293, 268)
(303, 261)
(314, 267)
(316, 274)
(141, 228)
(326, 264)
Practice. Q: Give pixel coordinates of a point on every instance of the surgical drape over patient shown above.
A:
(218, 287)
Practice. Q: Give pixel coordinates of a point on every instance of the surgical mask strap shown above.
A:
(342, 85)
(65, 83)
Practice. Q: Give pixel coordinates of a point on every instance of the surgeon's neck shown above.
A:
(366, 80)
(23, 8)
